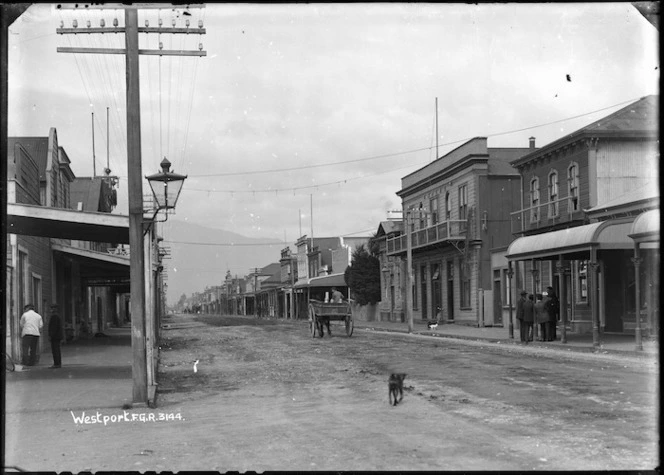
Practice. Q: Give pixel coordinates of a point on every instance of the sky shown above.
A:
(303, 119)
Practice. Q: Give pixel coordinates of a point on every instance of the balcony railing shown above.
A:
(545, 214)
(451, 230)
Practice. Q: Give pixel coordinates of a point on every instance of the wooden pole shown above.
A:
(409, 274)
(94, 164)
(135, 191)
(562, 279)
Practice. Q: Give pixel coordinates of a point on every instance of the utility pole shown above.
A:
(134, 167)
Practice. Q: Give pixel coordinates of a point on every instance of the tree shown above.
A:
(180, 304)
(363, 275)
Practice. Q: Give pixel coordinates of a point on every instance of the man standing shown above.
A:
(31, 325)
(337, 297)
(523, 330)
(56, 336)
(529, 317)
(542, 317)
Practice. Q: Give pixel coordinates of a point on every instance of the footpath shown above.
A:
(610, 343)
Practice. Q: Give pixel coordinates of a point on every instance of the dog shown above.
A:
(432, 325)
(395, 387)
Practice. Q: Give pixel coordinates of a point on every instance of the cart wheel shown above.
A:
(313, 324)
(349, 325)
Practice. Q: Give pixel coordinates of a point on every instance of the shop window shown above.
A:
(37, 293)
(22, 282)
(581, 272)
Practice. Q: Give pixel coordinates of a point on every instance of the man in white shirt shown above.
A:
(31, 326)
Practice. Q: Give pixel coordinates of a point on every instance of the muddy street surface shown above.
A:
(265, 395)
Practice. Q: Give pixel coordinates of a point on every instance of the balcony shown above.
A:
(452, 230)
(545, 215)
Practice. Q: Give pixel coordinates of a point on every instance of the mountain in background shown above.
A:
(192, 267)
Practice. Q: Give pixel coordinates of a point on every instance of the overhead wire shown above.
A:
(337, 182)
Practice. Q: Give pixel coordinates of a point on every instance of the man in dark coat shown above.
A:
(56, 336)
(523, 332)
(529, 317)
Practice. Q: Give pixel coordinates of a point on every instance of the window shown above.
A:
(422, 217)
(37, 293)
(506, 287)
(448, 206)
(22, 283)
(573, 187)
(463, 202)
(534, 200)
(433, 205)
(553, 194)
(582, 281)
(464, 282)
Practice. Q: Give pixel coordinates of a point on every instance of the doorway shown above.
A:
(450, 290)
(423, 287)
(437, 298)
(497, 299)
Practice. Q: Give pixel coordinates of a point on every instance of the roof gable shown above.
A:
(639, 119)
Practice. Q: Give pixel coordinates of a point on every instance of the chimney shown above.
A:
(532, 143)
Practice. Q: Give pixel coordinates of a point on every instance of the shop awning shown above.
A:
(64, 223)
(97, 268)
(332, 280)
(646, 227)
(611, 234)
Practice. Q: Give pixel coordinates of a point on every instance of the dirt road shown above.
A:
(266, 396)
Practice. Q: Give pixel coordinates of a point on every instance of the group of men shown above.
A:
(543, 312)
(31, 327)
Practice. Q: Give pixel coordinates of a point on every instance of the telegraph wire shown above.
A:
(374, 157)
(251, 244)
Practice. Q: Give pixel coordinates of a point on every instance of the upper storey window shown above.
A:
(573, 186)
(448, 206)
(553, 194)
(534, 200)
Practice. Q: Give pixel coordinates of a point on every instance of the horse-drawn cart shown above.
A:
(321, 313)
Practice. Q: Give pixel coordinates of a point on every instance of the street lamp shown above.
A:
(166, 187)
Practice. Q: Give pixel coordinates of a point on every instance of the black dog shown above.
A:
(395, 385)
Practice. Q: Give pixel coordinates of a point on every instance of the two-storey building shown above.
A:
(43, 265)
(456, 211)
(579, 199)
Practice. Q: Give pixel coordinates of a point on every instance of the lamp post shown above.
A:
(510, 274)
(535, 272)
(166, 187)
(409, 273)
